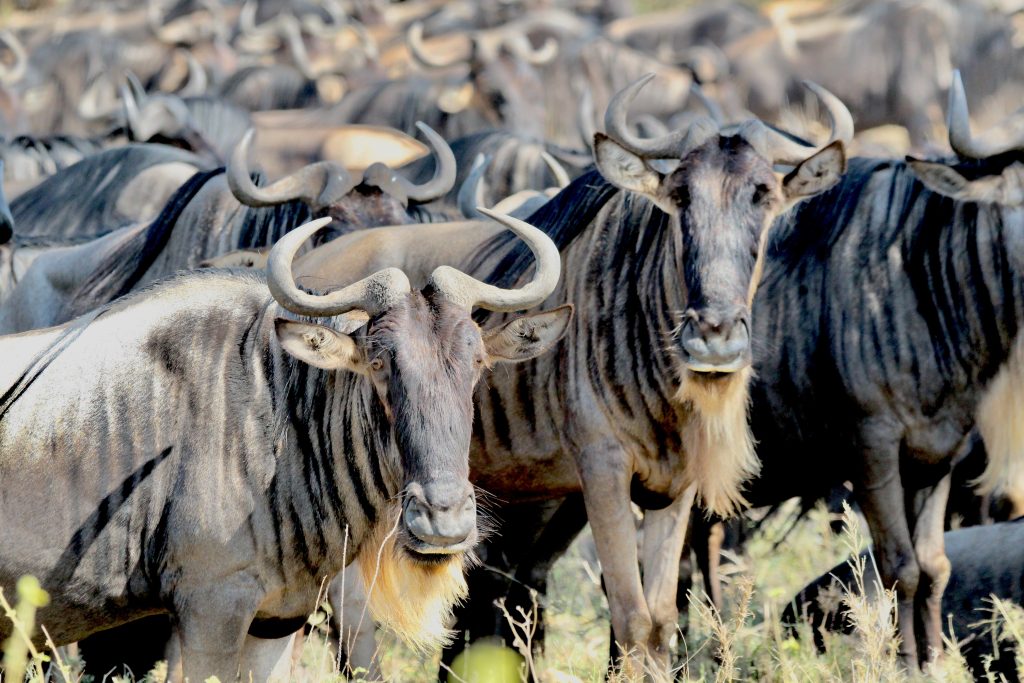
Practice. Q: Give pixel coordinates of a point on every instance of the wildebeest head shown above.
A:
(423, 354)
(379, 197)
(722, 196)
(990, 167)
(502, 82)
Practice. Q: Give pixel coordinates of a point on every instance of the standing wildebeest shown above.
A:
(887, 309)
(889, 318)
(984, 561)
(666, 268)
(281, 450)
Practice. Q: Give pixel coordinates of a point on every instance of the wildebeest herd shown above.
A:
(257, 262)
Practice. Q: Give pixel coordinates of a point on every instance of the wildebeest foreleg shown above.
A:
(881, 500)
(606, 478)
(664, 536)
(929, 546)
(211, 622)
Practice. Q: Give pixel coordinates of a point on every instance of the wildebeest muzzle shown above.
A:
(440, 517)
(715, 340)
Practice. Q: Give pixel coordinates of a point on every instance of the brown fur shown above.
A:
(717, 439)
(393, 578)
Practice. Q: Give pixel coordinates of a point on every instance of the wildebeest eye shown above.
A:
(760, 192)
(376, 364)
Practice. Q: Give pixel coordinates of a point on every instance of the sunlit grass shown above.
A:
(744, 643)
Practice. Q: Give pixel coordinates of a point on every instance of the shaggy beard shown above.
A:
(411, 598)
(717, 442)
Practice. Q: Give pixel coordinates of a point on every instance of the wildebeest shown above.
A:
(888, 319)
(216, 212)
(665, 263)
(985, 561)
(125, 185)
(281, 450)
(887, 309)
(491, 82)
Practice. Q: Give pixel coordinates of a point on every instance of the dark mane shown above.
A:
(78, 201)
(123, 269)
(262, 226)
(563, 218)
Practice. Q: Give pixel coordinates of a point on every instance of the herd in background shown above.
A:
(732, 314)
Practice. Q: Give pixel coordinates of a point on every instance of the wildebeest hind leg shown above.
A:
(929, 547)
(881, 499)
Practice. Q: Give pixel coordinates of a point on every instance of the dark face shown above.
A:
(725, 195)
(425, 356)
(365, 206)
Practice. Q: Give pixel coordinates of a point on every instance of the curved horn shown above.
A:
(12, 74)
(372, 294)
(197, 82)
(170, 35)
(520, 45)
(675, 144)
(318, 185)
(289, 28)
(138, 92)
(470, 194)
(839, 116)
(247, 21)
(780, 149)
(714, 111)
(414, 38)
(561, 176)
(465, 290)
(316, 26)
(133, 118)
(404, 189)
(585, 117)
(1007, 137)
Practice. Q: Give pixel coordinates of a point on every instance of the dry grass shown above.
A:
(746, 639)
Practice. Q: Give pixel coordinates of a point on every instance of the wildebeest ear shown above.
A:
(317, 345)
(529, 336)
(1006, 188)
(625, 169)
(939, 177)
(816, 173)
